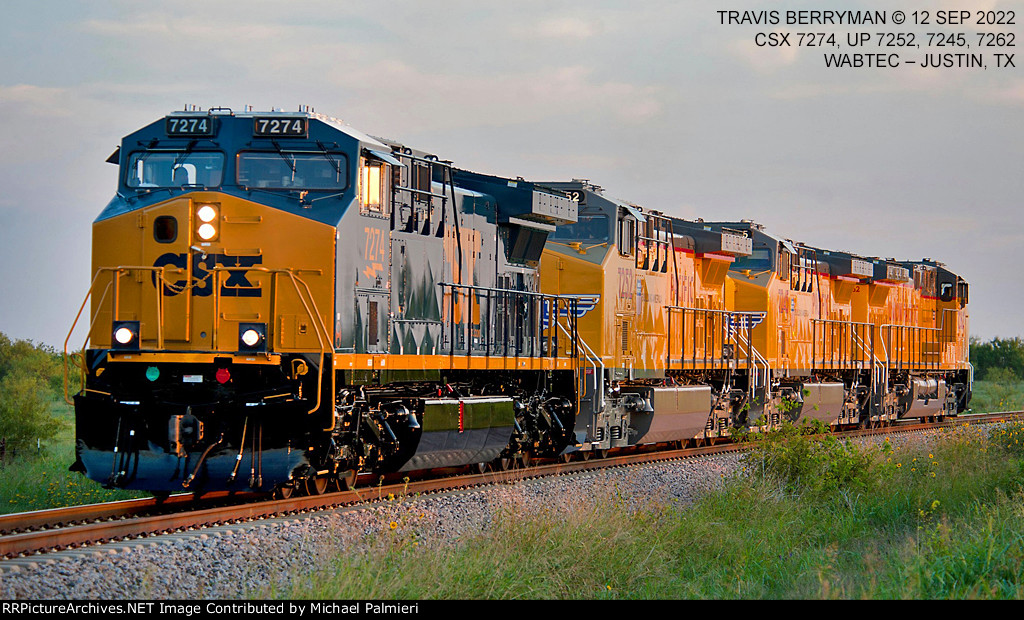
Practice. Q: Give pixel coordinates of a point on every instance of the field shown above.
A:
(808, 519)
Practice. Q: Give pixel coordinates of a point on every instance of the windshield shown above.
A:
(175, 169)
(293, 170)
(759, 260)
(592, 227)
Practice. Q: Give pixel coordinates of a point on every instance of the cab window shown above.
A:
(760, 260)
(152, 169)
(373, 191)
(293, 170)
(589, 227)
(946, 291)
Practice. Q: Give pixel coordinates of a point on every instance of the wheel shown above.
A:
(346, 480)
(586, 454)
(602, 453)
(284, 491)
(317, 485)
(524, 459)
(501, 464)
(480, 468)
(565, 457)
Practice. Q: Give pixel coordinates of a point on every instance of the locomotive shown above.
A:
(281, 302)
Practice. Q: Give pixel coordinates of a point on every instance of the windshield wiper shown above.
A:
(184, 155)
(334, 162)
(284, 156)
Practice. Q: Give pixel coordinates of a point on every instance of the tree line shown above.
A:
(998, 359)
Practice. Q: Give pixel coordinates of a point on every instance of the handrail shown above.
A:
(854, 338)
(758, 359)
(322, 333)
(544, 334)
(118, 272)
(914, 329)
(588, 353)
(707, 311)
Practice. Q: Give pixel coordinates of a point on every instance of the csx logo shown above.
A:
(234, 284)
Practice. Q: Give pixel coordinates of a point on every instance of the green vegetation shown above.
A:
(1000, 392)
(30, 377)
(1004, 355)
(806, 518)
(38, 435)
(999, 375)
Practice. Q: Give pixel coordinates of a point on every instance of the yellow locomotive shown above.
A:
(704, 327)
(280, 302)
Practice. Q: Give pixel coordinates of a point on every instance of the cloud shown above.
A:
(37, 101)
(563, 28)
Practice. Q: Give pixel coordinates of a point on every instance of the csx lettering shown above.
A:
(772, 39)
(235, 284)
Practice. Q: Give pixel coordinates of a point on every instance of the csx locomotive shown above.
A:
(281, 302)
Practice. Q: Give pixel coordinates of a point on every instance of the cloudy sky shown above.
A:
(656, 101)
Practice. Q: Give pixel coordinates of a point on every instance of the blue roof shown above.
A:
(233, 133)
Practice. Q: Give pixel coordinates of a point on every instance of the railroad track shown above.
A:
(23, 534)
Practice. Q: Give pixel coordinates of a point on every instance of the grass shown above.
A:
(1004, 394)
(942, 521)
(40, 479)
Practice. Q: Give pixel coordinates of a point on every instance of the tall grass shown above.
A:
(1003, 392)
(938, 521)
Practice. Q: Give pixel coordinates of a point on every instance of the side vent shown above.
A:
(625, 336)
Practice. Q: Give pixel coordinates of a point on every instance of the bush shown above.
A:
(812, 463)
(31, 378)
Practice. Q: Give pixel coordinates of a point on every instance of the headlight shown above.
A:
(252, 337)
(207, 220)
(125, 335)
(207, 232)
(206, 213)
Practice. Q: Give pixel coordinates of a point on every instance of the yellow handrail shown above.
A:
(323, 334)
(114, 282)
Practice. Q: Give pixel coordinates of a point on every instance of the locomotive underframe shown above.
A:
(178, 428)
(643, 411)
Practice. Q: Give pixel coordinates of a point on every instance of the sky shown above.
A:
(658, 102)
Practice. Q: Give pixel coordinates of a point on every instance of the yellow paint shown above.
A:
(293, 277)
(192, 358)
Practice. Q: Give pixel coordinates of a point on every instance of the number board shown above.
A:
(577, 195)
(188, 126)
(277, 127)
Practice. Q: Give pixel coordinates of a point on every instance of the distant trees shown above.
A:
(998, 359)
(31, 377)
